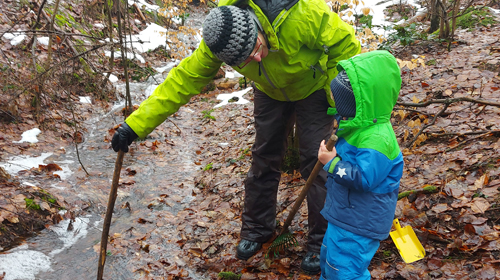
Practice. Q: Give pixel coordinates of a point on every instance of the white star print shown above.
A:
(341, 172)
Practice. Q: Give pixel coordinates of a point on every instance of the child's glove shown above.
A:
(123, 137)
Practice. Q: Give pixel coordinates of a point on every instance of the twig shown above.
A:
(438, 134)
(449, 101)
(426, 190)
(75, 139)
(430, 124)
(180, 131)
(40, 8)
(467, 140)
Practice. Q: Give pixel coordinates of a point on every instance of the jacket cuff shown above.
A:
(330, 166)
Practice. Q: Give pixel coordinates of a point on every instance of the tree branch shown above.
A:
(449, 101)
(427, 125)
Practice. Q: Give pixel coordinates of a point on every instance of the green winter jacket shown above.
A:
(306, 41)
(364, 177)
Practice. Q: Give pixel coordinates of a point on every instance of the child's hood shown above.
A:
(376, 80)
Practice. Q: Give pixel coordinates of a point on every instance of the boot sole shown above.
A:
(243, 258)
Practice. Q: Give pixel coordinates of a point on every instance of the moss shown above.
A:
(475, 17)
(30, 204)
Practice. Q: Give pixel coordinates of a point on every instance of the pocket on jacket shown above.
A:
(342, 196)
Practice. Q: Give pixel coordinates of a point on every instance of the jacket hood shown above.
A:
(376, 81)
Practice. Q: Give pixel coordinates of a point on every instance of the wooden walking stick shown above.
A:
(286, 238)
(109, 213)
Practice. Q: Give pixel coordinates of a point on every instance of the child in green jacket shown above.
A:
(364, 168)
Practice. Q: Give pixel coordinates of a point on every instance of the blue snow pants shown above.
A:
(345, 255)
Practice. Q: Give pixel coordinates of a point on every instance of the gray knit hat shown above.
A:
(343, 95)
(230, 33)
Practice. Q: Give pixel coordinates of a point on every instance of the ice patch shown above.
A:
(23, 264)
(65, 172)
(70, 237)
(19, 163)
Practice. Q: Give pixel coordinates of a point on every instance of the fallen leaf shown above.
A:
(440, 208)
(479, 205)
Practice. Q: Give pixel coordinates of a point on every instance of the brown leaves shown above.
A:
(479, 205)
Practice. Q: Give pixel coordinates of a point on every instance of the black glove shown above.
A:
(123, 137)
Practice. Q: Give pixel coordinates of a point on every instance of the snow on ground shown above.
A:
(29, 136)
(225, 97)
(86, 99)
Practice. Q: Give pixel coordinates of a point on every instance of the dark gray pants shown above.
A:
(273, 121)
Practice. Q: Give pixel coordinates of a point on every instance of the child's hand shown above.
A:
(324, 156)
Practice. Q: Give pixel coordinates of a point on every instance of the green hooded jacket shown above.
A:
(364, 177)
(306, 41)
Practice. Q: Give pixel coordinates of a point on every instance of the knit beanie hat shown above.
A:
(230, 33)
(343, 95)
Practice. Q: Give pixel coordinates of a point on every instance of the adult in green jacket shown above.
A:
(290, 50)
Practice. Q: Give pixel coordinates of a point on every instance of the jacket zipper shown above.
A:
(261, 67)
(314, 68)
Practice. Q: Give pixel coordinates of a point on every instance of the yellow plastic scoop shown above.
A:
(407, 243)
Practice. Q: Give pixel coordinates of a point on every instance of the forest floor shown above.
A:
(448, 125)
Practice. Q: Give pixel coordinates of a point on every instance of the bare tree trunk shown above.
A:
(51, 29)
(123, 47)
(456, 9)
(444, 27)
(112, 50)
(434, 15)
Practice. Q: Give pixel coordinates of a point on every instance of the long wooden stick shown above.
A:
(109, 213)
(329, 145)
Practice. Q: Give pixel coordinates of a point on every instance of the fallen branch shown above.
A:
(467, 140)
(429, 124)
(443, 134)
(420, 16)
(425, 190)
(139, 12)
(449, 101)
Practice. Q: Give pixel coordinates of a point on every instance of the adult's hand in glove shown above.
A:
(123, 137)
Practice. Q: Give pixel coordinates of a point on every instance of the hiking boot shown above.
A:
(310, 263)
(247, 248)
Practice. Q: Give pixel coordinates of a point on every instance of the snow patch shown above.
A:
(225, 97)
(113, 78)
(43, 40)
(129, 56)
(142, 3)
(29, 136)
(85, 99)
(233, 74)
